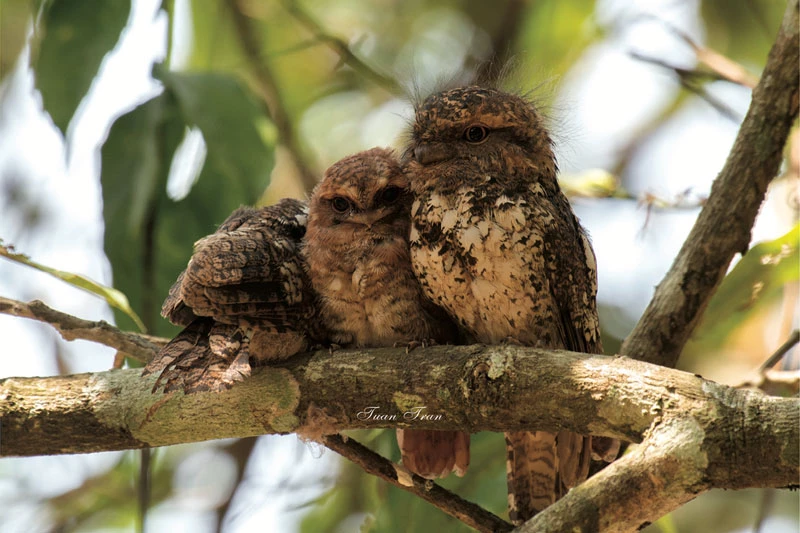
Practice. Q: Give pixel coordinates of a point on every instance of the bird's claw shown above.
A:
(332, 347)
(413, 345)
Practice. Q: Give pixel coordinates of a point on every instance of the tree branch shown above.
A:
(135, 345)
(793, 339)
(733, 204)
(473, 515)
(474, 388)
(720, 66)
(690, 80)
(660, 475)
(341, 49)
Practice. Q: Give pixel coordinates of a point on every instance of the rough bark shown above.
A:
(478, 388)
(723, 228)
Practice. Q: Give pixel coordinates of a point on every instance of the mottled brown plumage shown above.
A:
(356, 251)
(244, 294)
(495, 242)
(252, 290)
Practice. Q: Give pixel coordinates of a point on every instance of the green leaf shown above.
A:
(555, 34)
(231, 123)
(754, 282)
(112, 296)
(77, 35)
(215, 42)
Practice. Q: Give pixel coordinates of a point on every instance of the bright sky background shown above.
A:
(604, 99)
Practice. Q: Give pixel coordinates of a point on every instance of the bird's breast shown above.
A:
(481, 257)
(378, 303)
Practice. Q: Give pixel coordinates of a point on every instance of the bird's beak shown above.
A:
(429, 153)
(369, 218)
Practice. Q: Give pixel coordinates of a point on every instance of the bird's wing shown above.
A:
(245, 293)
(574, 283)
(249, 271)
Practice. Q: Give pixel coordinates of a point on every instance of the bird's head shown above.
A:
(488, 129)
(363, 194)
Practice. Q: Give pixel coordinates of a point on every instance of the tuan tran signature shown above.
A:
(415, 413)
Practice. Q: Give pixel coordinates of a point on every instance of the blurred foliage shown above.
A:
(593, 183)
(745, 30)
(756, 281)
(107, 500)
(328, 68)
(14, 20)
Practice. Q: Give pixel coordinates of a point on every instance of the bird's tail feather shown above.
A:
(432, 454)
(542, 467)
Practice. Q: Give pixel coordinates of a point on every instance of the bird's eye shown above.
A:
(340, 204)
(475, 134)
(389, 195)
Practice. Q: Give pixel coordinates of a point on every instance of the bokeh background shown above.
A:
(131, 128)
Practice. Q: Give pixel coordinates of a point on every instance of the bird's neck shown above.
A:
(487, 179)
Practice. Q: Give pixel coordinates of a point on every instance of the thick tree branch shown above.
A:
(135, 345)
(733, 204)
(468, 387)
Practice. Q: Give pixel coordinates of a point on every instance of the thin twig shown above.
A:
(724, 67)
(271, 94)
(689, 79)
(642, 135)
(240, 450)
(471, 514)
(143, 488)
(135, 345)
(341, 48)
(793, 339)
(681, 201)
